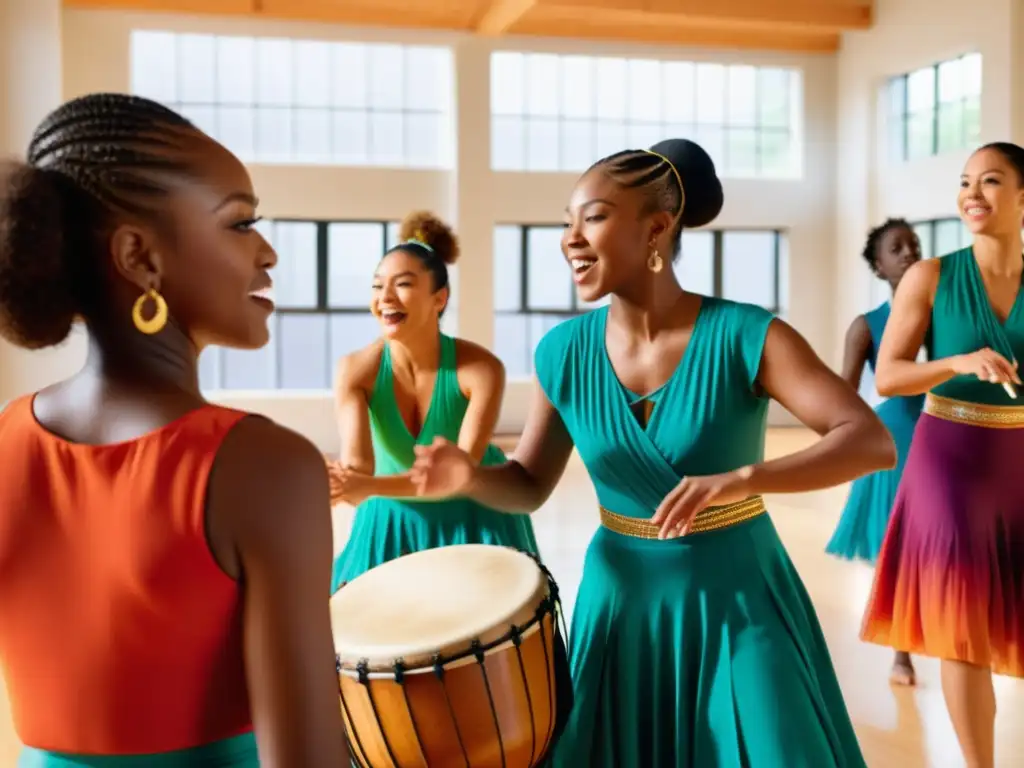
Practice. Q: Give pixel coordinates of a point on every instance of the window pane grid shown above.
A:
(562, 113)
(936, 110)
(741, 265)
(322, 285)
(941, 236)
(305, 101)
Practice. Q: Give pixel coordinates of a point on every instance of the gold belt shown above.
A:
(709, 519)
(975, 414)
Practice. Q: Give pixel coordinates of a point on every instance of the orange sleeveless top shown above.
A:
(119, 633)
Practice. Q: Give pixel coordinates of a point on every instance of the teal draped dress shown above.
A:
(702, 651)
(862, 524)
(385, 528)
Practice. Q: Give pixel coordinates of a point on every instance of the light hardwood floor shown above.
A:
(898, 728)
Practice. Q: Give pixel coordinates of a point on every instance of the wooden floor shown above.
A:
(898, 728)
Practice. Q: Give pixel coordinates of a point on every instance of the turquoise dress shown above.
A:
(384, 528)
(702, 651)
(237, 752)
(865, 517)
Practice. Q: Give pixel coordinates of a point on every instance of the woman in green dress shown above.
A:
(693, 641)
(411, 385)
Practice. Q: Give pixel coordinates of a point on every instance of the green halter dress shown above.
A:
(385, 529)
(702, 651)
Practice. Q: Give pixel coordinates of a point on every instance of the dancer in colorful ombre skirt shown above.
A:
(950, 576)
(891, 249)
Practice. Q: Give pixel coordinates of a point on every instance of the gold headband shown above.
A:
(682, 190)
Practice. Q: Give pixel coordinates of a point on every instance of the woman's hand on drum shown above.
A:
(987, 365)
(441, 469)
(347, 485)
(694, 494)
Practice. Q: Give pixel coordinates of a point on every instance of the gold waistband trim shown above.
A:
(710, 519)
(975, 414)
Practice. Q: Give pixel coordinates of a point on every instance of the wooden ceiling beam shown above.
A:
(217, 7)
(501, 15)
(830, 16)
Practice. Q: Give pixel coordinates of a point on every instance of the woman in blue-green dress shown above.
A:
(408, 387)
(891, 249)
(693, 641)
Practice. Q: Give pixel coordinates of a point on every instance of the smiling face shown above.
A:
(608, 237)
(897, 251)
(202, 252)
(404, 300)
(991, 199)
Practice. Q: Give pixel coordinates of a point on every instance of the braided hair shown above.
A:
(675, 175)
(92, 159)
(870, 252)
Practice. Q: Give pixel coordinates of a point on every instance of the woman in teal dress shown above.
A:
(891, 249)
(693, 642)
(408, 387)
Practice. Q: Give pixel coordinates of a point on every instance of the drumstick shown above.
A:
(1008, 387)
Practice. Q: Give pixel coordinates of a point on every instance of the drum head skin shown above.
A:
(434, 601)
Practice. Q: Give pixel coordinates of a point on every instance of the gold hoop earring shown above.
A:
(156, 323)
(654, 261)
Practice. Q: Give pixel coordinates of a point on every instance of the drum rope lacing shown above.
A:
(550, 605)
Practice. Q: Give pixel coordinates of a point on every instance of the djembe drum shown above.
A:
(452, 658)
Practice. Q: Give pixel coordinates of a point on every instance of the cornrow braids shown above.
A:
(870, 252)
(92, 158)
(640, 169)
(676, 176)
(112, 146)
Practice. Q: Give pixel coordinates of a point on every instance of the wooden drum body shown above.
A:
(451, 658)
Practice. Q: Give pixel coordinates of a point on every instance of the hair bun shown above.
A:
(37, 298)
(427, 228)
(701, 185)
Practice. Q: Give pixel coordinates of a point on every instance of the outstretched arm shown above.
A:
(520, 485)
(853, 440)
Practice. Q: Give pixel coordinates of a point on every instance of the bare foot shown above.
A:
(902, 670)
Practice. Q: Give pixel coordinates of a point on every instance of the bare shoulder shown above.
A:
(476, 365)
(921, 279)
(358, 370)
(858, 329)
(260, 458)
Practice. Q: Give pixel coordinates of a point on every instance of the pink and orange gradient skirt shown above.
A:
(949, 581)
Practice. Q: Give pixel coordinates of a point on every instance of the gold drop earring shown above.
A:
(156, 323)
(654, 261)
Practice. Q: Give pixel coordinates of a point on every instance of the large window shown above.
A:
(936, 109)
(941, 236)
(533, 288)
(322, 287)
(561, 113)
(304, 101)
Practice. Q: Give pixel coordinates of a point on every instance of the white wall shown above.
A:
(30, 44)
(96, 56)
(910, 34)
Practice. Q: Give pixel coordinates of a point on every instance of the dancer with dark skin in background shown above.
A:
(693, 641)
(950, 575)
(166, 559)
(891, 249)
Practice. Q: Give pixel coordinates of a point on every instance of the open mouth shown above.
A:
(392, 317)
(264, 297)
(580, 268)
(977, 211)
